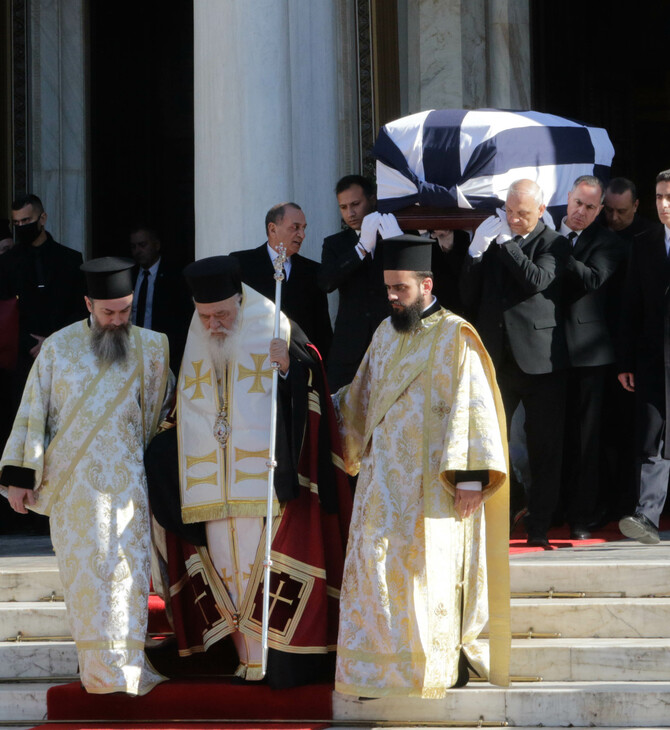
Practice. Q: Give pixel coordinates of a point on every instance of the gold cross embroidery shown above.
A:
(226, 577)
(277, 597)
(198, 380)
(257, 374)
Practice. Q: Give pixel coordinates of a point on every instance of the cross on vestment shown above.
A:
(197, 380)
(278, 597)
(257, 373)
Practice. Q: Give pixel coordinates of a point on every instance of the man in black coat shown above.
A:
(620, 210)
(595, 256)
(301, 298)
(644, 366)
(49, 286)
(512, 287)
(161, 300)
(351, 267)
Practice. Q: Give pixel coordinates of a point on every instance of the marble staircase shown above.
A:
(591, 646)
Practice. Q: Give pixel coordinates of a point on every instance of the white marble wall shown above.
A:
(268, 119)
(57, 118)
(467, 54)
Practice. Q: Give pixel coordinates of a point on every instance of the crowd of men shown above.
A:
(143, 423)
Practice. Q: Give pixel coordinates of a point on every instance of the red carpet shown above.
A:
(560, 537)
(211, 699)
(187, 726)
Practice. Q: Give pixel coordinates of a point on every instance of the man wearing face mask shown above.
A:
(45, 278)
(44, 275)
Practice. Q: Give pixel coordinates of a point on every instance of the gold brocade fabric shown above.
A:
(414, 593)
(95, 423)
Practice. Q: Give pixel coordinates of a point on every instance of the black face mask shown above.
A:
(27, 233)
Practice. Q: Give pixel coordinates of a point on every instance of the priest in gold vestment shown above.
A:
(427, 560)
(91, 405)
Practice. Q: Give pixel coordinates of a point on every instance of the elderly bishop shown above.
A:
(91, 405)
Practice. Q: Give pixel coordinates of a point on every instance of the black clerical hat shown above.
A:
(214, 278)
(4, 229)
(108, 277)
(407, 253)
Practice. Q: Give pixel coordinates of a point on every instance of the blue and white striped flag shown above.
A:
(468, 159)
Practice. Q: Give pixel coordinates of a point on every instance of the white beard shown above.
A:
(222, 349)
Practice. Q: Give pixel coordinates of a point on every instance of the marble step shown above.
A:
(29, 578)
(37, 659)
(598, 572)
(33, 619)
(593, 617)
(573, 659)
(549, 704)
(601, 660)
(635, 571)
(23, 702)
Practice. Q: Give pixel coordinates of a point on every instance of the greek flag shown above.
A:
(468, 159)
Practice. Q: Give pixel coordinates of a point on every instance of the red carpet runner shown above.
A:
(211, 699)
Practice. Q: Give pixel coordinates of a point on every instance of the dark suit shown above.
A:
(446, 267)
(171, 309)
(50, 288)
(301, 298)
(595, 257)
(49, 285)
(363, 303)
(513, 294)
(644, 342)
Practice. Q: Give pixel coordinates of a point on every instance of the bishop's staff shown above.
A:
(271, 463)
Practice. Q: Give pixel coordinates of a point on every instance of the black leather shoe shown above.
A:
(579, 533)
(639, 527)
(537, 540)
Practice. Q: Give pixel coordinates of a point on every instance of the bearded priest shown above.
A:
(92, 403)
(422, 425)
(208, 481)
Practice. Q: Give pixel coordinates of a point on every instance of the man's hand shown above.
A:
(279, 354)
(505, 234)
(486, 232)
(444, 238)
(35, 349)
(369, 228)
(388, 226)
(18, 497)
(627, 380)
(467, 501)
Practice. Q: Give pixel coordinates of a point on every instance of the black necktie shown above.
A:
(571, 237)
(142, 299)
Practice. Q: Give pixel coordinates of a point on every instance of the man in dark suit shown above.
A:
(46, 279)
(512, 287)
(301, 298)
(644, 368)
(161, 300)
(595, 256)
(349, 265)
(620, 210)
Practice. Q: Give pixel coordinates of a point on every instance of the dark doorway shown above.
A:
(141, 124)
(606, 65)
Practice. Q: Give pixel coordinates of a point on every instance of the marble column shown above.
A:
(268, 118)
(467, 54)
(58, 117)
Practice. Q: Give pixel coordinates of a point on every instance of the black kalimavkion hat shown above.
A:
(214, 279)
(108, 277)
